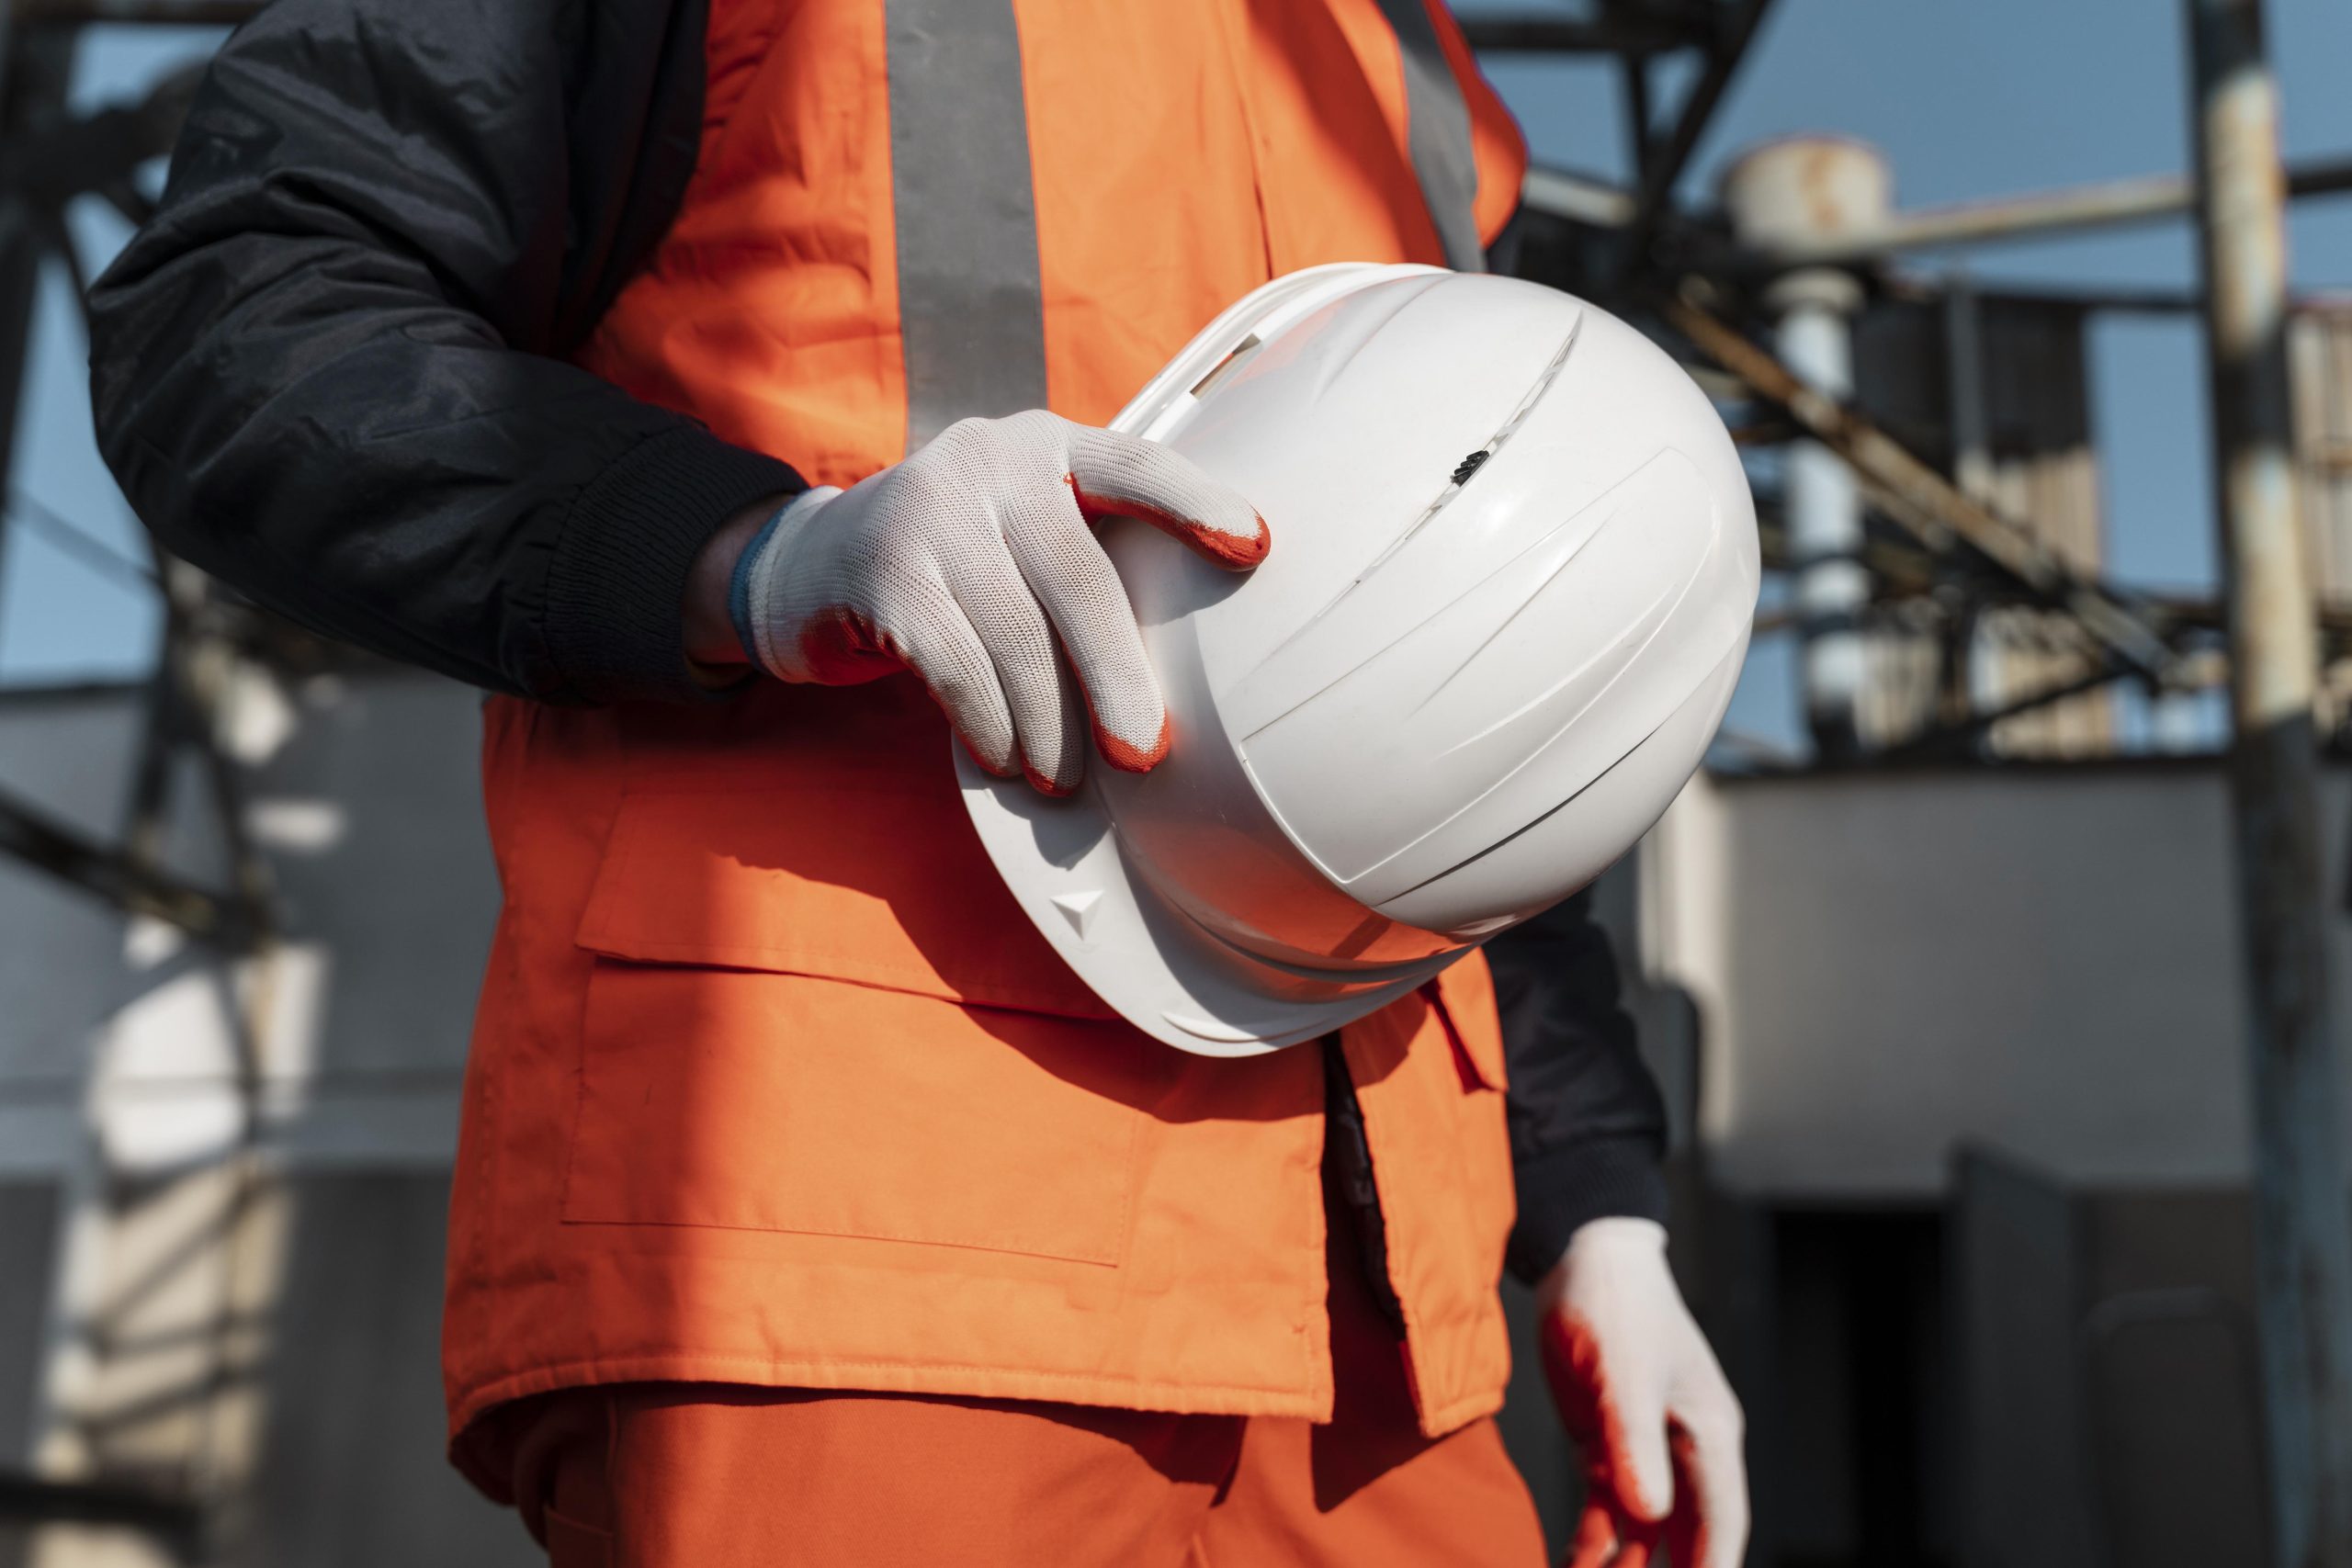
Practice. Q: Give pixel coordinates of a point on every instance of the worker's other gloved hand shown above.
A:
(967, 563)
(1640, 1392)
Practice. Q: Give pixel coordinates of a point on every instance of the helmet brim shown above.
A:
(1148, 960)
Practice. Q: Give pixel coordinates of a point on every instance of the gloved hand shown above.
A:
(1640, 1392)
(966, 563)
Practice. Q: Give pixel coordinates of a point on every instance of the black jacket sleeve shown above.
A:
(1588, 1124)
(327, 371)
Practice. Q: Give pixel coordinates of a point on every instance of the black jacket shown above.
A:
(331, 371)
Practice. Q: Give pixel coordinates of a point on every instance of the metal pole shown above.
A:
(36, 67)
(2302, 1220)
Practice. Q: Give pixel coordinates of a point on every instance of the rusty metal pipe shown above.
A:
(2303, 1216)
(2140, 199)
(1564, 193)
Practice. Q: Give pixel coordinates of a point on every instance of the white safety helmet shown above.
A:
(1513, 570)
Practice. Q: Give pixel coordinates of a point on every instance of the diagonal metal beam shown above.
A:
(175, 1521)
(30, 835)
(1503, 33)
(1923, 503)
(1663, 169)
(163, 13)
(2196, 671)
(1943, 740)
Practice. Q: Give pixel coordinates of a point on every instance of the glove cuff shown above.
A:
(608, 611)
(741, 586)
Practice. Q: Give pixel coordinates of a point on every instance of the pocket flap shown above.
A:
(882, 887)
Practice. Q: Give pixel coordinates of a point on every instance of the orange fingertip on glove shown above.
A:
(1235, 552)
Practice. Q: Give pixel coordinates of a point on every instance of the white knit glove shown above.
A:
(1638, 1388)
(966, 563)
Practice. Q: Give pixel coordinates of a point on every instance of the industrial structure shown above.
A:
(1996, 1135)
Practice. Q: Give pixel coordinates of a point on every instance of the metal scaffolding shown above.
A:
(48, 158)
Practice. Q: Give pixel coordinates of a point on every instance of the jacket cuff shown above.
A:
(614, 619)
(1591, 1179)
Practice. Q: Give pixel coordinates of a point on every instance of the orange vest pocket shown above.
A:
(772, 1042)
(846, 880)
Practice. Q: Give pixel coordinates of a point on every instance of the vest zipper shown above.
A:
(1352, 1191)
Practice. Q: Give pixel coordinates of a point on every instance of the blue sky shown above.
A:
(1968, 100)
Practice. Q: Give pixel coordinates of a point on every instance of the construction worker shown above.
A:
(807, 1208)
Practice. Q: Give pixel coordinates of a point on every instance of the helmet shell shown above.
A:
(1513, 570)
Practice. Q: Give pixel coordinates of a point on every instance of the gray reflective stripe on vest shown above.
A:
(970, 311)
(1436, 121)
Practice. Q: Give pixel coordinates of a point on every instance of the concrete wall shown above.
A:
(1889, 965)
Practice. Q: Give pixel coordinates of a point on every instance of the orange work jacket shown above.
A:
(772, 1082)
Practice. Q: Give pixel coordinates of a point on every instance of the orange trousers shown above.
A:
(711, 1476)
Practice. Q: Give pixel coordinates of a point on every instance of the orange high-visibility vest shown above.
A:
(772, 1082)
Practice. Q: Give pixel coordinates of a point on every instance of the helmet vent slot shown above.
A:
(1223, 370)
(1461, 476)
